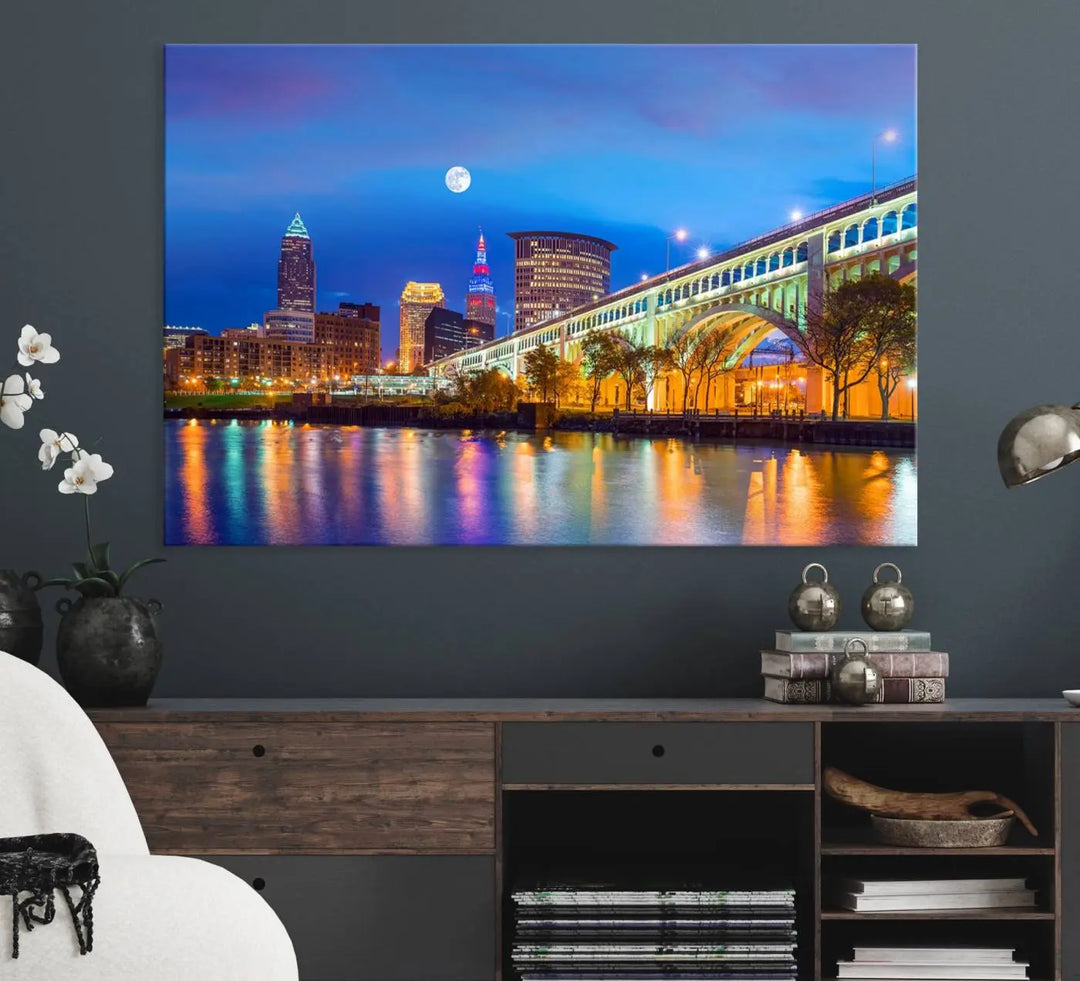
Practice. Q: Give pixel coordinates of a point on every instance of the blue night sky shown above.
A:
(624, 142)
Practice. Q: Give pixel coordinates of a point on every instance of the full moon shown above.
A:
(458, 179)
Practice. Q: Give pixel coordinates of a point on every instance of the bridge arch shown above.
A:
(767, 316)
(747, 324)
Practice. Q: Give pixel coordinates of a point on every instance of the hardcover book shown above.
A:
(936, 972)
(834, 641)
(818, 664)
(910, 887)
(937, 955)
(922, 901)
(894, 691)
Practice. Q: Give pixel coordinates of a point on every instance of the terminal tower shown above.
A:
(480, 299)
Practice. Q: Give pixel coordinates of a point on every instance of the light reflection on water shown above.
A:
(241, 483)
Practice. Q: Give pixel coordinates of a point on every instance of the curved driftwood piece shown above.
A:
(900, 804)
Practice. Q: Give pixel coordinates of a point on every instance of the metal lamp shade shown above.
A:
(1037, 442)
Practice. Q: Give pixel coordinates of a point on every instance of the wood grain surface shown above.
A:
(584, 710)
(225, 787)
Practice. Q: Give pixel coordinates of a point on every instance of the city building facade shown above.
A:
(243, 333)
(354, 341)
(289, 325)
(417, 301)
(444, 334)
(296, 269)
(480, 299)
(478, 332)
(554, 272)
(362, 311)
(176, 336)
(257, 361)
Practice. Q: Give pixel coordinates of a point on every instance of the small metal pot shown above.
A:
(21, 629)
(108, 650)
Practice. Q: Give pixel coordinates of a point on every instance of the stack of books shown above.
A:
(936, 963)
(597, 932)
(797, 669)
(891, 895)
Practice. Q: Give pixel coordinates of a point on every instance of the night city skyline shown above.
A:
(627, 143)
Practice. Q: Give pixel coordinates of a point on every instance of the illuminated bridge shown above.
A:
(748, 291)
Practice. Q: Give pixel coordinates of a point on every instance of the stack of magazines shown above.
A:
(598, 932)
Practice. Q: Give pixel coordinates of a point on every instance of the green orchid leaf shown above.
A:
(99, 556)
(135, 568)
(111, 578)
(82, 570)
(67, 583)
(94, 587)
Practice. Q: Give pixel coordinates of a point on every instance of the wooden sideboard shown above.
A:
(387, 832)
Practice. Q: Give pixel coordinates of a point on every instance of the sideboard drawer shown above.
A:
(381, 917)
(659, 753)
(240, 787)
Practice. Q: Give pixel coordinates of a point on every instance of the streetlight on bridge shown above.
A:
(886, 136)
(679, 235)
(703, 252)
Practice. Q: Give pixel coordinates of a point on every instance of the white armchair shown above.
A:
(156, 918)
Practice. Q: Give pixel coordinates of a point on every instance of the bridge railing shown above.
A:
(808, 222)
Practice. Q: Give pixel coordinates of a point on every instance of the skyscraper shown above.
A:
(417, 301)
(557, 271)
(480, 299)
(296, 270)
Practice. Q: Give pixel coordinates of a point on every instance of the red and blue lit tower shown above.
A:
(480, 299)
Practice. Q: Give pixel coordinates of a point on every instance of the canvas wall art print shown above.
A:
(540, 295)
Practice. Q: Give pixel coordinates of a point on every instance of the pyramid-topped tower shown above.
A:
(296, 269)
(297, 228)
(480, 299)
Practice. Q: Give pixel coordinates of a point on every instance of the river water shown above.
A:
(270, 483)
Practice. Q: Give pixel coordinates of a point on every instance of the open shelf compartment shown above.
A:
(1016, 760)
(719, 839)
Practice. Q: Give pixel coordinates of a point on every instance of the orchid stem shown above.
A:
(89, 546)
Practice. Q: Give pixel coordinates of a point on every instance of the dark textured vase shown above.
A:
(20, 615)
(108, 650)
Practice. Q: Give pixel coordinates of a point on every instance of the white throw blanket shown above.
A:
(156, 918)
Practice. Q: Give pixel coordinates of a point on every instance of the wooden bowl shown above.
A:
(987, 832)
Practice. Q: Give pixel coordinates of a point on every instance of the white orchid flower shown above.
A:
(83, 476)
(33, 387)
(14, 401)
(53, 444)
(36, 347)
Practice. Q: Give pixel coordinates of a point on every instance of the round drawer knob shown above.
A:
(258, 750)
(258, 884)
(658, 751)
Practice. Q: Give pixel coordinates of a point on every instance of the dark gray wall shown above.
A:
(995, 576)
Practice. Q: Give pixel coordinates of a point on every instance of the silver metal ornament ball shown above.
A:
(856, 679)
(814, 605)
(887, 605)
